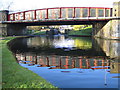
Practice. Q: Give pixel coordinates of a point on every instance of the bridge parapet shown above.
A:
(62, 13)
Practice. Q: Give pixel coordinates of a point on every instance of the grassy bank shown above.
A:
(15, 76)
(36, 32)
(40, 33)
(83, 32)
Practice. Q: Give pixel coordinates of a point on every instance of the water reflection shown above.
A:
(83, 43)
(68, 52)
(110, 47)
(58, 45)
(68, 62)
(60, 42)
(80, 61)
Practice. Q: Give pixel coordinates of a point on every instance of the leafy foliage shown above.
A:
(86, 31)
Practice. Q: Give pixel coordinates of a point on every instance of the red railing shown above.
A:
(61, 13)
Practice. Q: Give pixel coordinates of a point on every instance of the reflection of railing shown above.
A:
(62, 13)
(65, 62)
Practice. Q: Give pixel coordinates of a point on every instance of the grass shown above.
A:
(83, 32)
(40, 33)
(16, 76)
(36, 32)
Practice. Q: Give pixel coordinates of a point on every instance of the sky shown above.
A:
(21, 5)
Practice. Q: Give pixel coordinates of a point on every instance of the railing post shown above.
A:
(34, 14)
(46, 13)
(60, 13)
(14, 17)
(8, 17)
(23, 15)
(89, 12)
(74, 12)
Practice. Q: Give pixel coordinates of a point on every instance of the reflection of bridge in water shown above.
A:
(86, 46)
(65, 62)
(82, 53)
(68, 62)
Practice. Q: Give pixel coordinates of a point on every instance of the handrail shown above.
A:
(61, 12)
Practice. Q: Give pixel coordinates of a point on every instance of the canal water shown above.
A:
(70, 62)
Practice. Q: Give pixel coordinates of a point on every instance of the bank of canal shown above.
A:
(15, 76)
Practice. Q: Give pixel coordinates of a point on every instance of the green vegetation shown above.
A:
(83, 42)
(40, 33)
(77, 27)
(16, 76)
(85, 32)
(82, 30)
(36, 32)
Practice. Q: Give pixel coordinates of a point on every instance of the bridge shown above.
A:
(99, 17)
(61, 16)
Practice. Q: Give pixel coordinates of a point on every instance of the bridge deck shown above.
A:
(63, 21)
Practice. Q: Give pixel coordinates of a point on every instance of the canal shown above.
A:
(70, 62)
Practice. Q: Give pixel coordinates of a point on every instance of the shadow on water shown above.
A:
(72, 55)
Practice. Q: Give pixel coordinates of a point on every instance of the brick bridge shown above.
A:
(105, 21)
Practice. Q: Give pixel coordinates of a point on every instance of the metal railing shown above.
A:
(62, 13)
